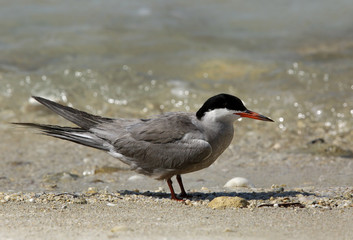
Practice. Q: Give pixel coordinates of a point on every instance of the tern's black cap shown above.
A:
(222, 100)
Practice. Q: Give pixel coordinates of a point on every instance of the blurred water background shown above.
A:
(289, 60)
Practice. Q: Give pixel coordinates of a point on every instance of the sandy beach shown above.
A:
(149, 218)
(82, 193)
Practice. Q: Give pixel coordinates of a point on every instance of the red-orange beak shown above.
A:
(254, 115)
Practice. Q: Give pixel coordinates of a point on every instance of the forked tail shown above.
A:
(81, 135)
(80, 118)
(77, 135)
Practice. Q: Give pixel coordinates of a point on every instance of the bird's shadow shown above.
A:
(197, 196)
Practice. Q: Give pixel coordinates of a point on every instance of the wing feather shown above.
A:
(166, 128)
(150, 156)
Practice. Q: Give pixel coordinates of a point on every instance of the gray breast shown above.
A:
(219, 136)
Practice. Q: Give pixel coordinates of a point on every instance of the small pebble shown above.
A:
(277, 146)
(80, 200)
(120, 228)
(111, 204)
(159, 190)
(92, 190)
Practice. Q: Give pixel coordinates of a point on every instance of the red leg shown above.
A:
(173, 196)
(183, 193)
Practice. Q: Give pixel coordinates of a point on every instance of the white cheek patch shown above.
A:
(220, 114)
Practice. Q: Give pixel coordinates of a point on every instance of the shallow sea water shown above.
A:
(288, 60)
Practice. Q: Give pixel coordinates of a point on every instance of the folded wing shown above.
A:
(170, 141)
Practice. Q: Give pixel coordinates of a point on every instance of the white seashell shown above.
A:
(135, 178)
(238, 182)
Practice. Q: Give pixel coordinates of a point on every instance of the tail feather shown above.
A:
(77, 135)
(80, 118)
